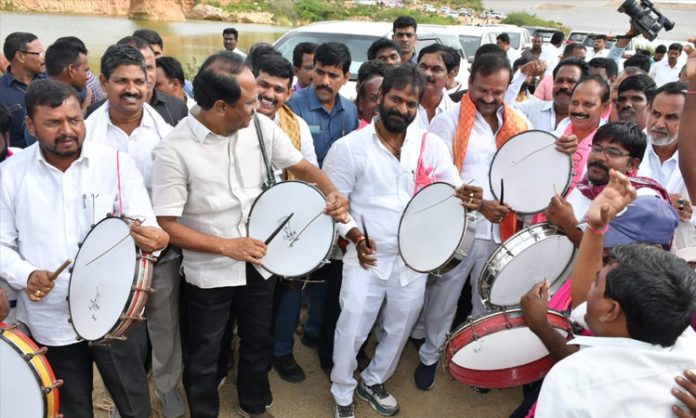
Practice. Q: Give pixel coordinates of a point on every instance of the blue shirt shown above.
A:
(12, 97)
(326, 127)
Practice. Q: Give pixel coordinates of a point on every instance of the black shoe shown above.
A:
(425, 376)
(309, 341)
(288, 369)
(417, 342)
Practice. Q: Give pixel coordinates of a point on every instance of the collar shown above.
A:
(86, 153)
(200, 131)
(146, 120)
(687, 336)
(155, 98)
(653, 154)
(315, 104)
(546, 105)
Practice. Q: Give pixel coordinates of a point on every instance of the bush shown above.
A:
(527, 19)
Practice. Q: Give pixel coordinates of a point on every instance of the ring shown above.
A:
(37, 293)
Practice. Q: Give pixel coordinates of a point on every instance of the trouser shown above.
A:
(162, 313)
(286, 306)
(442, 294)
(362, 294)
(120, 366)
(333, 274)
(208, 312)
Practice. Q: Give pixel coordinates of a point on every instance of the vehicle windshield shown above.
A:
(357, 45)
(470, 43)
(514, 40)
(577, 37)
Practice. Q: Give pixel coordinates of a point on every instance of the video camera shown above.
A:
(642, 18)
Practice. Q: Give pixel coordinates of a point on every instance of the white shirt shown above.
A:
(378, 187)
(670, 177)
(539, 112)
(45, 213)
(604, 53)
(662, 73)
(239, 52)
(209, 182)
(190, 103)
(550, 54)
(306, 141)
(513, 55)
(616, 377)
(477, 162)
(139, 144)
(422, 121)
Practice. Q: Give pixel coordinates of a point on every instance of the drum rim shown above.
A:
(45, 397)
(484, 272)
(398, 234)
(130, 295)
(490, 169)
(333, 227)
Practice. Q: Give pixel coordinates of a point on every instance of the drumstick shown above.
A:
(367, 237)
(439, 201)
(274, 233)
(502, 191)
(59, 270)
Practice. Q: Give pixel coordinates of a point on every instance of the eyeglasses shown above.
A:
(609, 152)
(32, 52)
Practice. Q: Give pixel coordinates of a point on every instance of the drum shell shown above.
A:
(504, 377)
(507, 251)
(46, 379)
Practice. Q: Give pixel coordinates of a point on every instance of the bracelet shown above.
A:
(597, 231)
(359, 240)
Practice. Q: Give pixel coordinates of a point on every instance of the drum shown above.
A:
(531, 170)
(435, 232)
(526, 258)
(109, 283)
(28, 387)
(500, 351)
(304, 242)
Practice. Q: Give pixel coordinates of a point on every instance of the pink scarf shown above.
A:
(423, 175)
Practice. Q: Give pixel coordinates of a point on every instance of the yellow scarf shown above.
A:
(289, 125)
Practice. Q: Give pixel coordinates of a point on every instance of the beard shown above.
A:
(660, 142)
(394, 121)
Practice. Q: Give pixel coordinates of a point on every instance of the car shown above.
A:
(358, 36)
(546, 33)
(472, 37)
(629, 51)
(577, 36)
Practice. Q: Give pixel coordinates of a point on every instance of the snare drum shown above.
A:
(435, 232)
(500, 351)
(532, 172)
(109, 283)
(526, 258)
(28, 387)
(304, 243)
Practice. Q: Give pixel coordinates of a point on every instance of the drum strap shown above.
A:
(270, 179)
(118, 177)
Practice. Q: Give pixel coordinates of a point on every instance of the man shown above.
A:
(328, 114)
(605, 68)
(26, 55)
(503, 41)
(273, 80)
(153, 39)
(369, 90)
(404, 33)
(546, 115)
(590, 101)
(170, 80)
(126, 123)
(599, 49)
(639, 61)
(473, 129)
(544, 90)
(635, 95)
(7, 294)
(661, 160)
(303, 64)
(534, 52)
(375, 276)
(189, 168)
(638, 308)
(687, 127)
(230, 36)
(663, 71)
(551, 52)
(436, 62)
(385, 50)
(660, 52)
(52, 177)
(67, 62)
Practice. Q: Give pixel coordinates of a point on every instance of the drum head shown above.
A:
(548, 258)
(286, 256)
(532, 171)
(431, 228)
(20, 388)
(101, 279)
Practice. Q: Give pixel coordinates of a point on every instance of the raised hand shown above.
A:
(613, 199)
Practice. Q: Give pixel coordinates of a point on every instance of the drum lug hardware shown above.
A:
(48, 389)
(149, 290)
(325, 262)
(507, 251)
(474, 335)
(533, 234)
(30, 356)
(508, 324)
(131, 317)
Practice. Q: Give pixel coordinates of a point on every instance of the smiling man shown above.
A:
(437, 62)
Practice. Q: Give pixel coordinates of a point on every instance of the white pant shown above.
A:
(362, 294)
(442, 294)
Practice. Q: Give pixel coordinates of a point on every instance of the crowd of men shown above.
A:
(187, 159)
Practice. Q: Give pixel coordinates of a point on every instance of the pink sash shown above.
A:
(423, 175)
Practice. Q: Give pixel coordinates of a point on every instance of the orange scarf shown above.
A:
(512, 125)
(291, 127)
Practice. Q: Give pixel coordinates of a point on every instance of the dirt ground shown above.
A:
(312, 398)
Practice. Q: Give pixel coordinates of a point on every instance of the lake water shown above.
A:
(187, 41)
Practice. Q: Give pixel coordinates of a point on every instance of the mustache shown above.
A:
(131, 95)
(325, 87)
(599, 165)
(273, 101)
(396, 113)
(65, 138)
(564, 91)
(579, 115)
